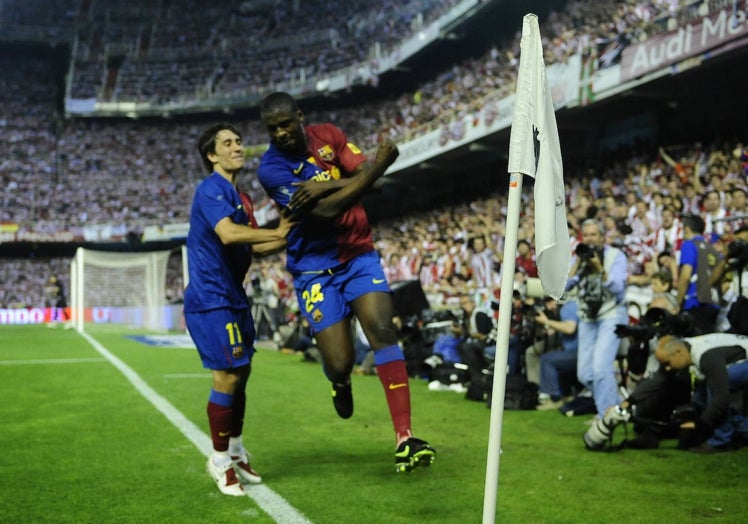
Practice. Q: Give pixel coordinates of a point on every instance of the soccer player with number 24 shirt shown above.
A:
(318, 175)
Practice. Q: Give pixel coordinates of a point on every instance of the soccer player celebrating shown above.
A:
(320, 176)
(220, 244)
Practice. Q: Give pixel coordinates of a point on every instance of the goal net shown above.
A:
(121, 288)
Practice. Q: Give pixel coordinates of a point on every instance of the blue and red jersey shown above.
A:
(216, 271)
(315, 244)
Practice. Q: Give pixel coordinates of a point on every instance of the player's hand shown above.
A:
(387, 152)
(308, 192)
(287, 221)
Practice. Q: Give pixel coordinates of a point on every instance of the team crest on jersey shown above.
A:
(325, 153)
(317, 315)
(237, 351)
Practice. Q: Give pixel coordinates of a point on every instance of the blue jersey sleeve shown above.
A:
(277, 177)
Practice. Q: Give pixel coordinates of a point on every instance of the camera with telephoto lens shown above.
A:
(657, 322)
(601, 431)
(584, 251)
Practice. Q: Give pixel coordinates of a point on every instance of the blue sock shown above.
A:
(388, 354)
(222, 399)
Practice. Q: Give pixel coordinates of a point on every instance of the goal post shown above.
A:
(121, 288)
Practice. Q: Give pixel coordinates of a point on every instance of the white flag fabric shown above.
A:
(534, 150)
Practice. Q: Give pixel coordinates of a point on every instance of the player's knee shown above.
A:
(339, 370)
(382, 335)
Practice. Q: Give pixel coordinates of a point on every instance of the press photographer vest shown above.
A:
(708, 258)
(703, 343)
(592, 289)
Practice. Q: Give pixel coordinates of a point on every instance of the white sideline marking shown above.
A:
(271, 503)
(50, 361)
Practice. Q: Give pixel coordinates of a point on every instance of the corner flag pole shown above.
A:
(502, 349)
(534, 150)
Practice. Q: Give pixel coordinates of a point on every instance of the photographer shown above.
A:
(521, 332)
(657, 393)
(558, 325)
(720, 366)
(599, 271)
(556, 367)
(474, 330)
(732, 273)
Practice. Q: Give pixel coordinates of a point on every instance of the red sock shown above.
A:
(220, 419)
(394, 379)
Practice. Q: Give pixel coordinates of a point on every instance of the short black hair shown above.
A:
(694, 222)
(278, 100)
(206, 144)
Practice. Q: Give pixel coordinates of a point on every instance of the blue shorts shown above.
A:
(225, 338)
(324, 296)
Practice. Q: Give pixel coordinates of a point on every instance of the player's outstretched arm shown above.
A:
(231, 233)
(268, 248)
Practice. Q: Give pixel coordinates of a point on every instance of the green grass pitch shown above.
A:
(81, 443)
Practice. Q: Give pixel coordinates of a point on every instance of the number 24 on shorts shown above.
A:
(312, 296)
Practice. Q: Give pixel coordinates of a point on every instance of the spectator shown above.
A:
(526, 259)
(696, 293)
(714, 215)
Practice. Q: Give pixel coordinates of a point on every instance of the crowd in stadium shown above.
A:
(439, 247)
(248, 47)
(226, 62)
(65, 175)
(55, 174)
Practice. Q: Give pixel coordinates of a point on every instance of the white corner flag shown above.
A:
(534, 150)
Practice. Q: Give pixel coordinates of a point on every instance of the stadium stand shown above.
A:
(86, 178)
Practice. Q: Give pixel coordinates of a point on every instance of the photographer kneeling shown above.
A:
(658, 393)
(554, 352)
(720, 365)
(476, 332)
(711, 425)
